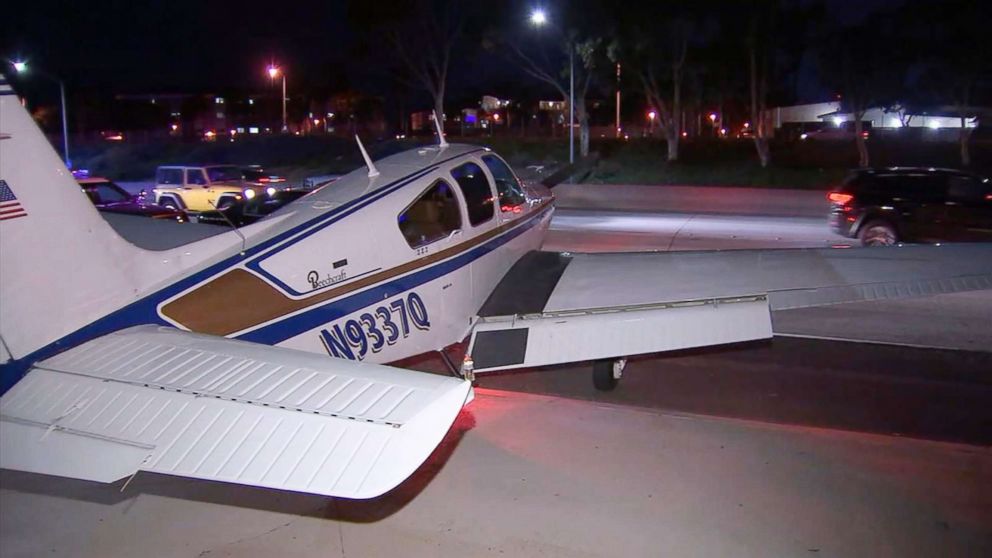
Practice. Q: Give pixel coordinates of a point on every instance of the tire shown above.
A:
(225, 202)
(602, 375)
(170, 202)
(878, 233)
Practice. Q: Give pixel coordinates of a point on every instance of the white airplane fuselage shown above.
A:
(347, 283)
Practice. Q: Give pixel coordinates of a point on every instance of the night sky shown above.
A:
(186, 46)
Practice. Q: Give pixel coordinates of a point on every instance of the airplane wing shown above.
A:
(554, 308)
(160, 399)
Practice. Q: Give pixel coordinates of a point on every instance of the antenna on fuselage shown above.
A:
(441, 142)
(373, 172)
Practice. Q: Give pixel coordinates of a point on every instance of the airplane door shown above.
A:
(480, 211)
(434, 226)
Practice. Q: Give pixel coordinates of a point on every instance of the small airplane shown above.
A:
(258, 355)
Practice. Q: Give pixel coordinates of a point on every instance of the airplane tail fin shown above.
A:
(59, 259)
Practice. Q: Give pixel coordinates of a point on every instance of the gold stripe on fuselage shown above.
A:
(238, 299)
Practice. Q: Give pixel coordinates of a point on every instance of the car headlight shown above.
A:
(270, 191)
(249, 194)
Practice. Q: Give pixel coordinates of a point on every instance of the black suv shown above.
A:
(885, 206)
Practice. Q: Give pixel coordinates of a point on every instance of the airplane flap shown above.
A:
(168, 401)
(506, 342)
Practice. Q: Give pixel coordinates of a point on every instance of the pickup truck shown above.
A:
(202, 188)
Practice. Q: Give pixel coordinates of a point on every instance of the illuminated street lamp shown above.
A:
(651, 116)
(274, 72)
(21, 67)
(538, 18)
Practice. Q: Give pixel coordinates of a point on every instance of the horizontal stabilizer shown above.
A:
(169, 401)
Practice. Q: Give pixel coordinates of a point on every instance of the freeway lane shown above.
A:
(922, 392)
(598, 230)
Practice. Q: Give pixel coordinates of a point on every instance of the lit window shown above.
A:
(219, 100)
(433, 216)
(511, 195)
(477, 192)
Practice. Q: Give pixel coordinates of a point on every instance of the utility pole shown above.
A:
(618, 100)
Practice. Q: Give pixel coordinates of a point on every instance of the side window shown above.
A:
(965, 188)
(432, 217)
(169, 176)
(478, 194)
(511, 194)
(195, 176)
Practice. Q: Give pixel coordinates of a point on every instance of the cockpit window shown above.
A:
(478, 194)
(511, 194)
(434, 216)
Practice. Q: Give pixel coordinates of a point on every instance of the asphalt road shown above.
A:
(597, 230)
(921, 393)
(918, 392)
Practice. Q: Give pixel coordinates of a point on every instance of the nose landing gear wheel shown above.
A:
(606, 373)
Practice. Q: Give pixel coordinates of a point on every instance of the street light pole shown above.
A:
(285, 128)
(273, 72)
(21, 66)
(539, 18)
(571, 102)
(65, 127)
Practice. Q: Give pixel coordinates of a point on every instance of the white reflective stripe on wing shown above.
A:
(80, 425)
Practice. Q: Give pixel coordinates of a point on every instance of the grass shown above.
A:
(813, 165)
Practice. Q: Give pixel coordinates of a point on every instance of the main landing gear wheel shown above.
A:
(606, 373)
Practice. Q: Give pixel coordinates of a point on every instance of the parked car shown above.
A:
(109, 197)
(885, 206)
(832, 134)
(202, 188)
(255, 175)
(246, 212)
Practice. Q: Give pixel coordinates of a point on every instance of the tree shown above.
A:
(957, 62)
(777, 33)
(657, 56)
(861, 63)
(578, 50)
(759, 53)
(422, 36)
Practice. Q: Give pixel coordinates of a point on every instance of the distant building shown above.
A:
(797, 119)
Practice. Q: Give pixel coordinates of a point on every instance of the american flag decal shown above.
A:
(10, 208)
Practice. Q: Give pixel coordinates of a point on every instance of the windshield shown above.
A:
(223, 174)
(107, 192)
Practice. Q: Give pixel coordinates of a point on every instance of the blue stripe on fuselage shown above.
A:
(292, 326)
(145, 310)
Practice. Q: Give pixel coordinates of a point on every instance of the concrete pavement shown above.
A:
(530, 475)
(527, 475)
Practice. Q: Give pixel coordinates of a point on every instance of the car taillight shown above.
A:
(840, 198)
